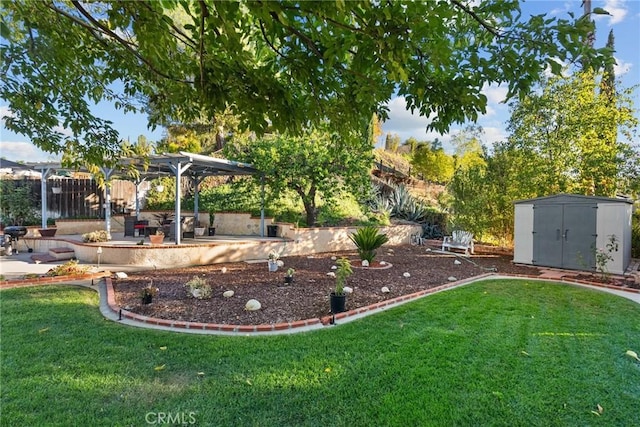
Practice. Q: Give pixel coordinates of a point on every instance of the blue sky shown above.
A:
(624, 19)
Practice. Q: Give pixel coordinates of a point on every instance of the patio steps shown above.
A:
(62, 253)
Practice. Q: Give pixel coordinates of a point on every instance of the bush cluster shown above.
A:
(95, 236)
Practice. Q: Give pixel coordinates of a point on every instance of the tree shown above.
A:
(568, 135)
(469, 151)
(280, 64)
(317, 164)
(608, 82)
(392, 142)
(433, 164)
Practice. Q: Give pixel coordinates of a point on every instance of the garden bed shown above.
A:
(308, 296)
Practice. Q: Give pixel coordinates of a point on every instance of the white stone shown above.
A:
(456, 262)
(407, 275)
(365, 263)
(224, 270)
(383, 262)
(390, 250)
(347, 290)
(196, 293)
(334, 267)
(280, 263)
(333, 258)
(428, 250)
(252, 305)
(228, 294)
(121, 275)
(331, 274)
(451, 279)
(385, 290)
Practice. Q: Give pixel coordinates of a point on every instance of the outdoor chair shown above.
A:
(459, 239)
(140, 226)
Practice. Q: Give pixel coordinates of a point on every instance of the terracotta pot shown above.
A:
(47, 232)
(156, 239)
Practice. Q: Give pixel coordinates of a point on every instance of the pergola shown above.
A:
(196, 167)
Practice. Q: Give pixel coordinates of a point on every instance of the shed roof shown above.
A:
(571, 198)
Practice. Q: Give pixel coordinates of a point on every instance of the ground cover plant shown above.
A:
(499, 352)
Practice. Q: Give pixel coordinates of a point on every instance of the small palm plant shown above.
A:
(367, 240)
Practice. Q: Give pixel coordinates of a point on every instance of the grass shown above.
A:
(492, 353)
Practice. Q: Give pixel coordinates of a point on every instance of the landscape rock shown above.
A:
(385, 290)
(228, 294)
(451, 279)
(252, 305)
(456, 262)
(347, 290)
(121, 275)
(407, 275)
(365, 263)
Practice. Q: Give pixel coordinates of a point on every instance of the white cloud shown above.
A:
(621, 67)
(24, 151)
(617, 9)
(566, 7)
(494, 94)
(493, 135)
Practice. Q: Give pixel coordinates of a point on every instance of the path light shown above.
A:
(99, 252)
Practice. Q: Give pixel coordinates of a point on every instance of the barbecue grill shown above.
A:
(13, 233)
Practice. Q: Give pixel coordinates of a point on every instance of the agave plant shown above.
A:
(367, 240)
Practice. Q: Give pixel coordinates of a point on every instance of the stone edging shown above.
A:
(287, 327)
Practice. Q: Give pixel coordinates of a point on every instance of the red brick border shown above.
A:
(277, 327)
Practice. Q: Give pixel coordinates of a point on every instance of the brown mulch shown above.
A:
(308, 296)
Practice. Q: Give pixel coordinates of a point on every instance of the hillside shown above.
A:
(396, 168)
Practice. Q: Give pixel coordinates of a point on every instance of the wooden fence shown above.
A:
(79, 198)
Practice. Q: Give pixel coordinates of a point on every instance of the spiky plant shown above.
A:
(367, 240)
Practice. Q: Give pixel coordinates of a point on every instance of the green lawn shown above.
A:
(501, 352)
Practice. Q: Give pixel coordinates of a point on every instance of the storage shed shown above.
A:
(565, 230)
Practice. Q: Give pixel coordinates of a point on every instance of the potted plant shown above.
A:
(338, 298)
(212, 218)
(156, 239)
(367, 240)
(273, 261)
(197, 230)
(148, 292)
(288, 278)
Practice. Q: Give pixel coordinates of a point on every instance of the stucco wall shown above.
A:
(304, 242)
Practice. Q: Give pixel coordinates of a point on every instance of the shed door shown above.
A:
(547, 240)
(579, 236)
(565, 236)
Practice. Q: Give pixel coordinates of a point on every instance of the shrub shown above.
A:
(95, 236)
(367, 240)
(198, 288)
(69, 268)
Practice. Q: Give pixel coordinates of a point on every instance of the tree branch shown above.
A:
(117, 38)
(477, 18)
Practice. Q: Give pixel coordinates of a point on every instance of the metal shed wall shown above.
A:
(612, 217)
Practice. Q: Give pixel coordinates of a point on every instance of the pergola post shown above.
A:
(262, 205)
(197, 180)
(43, 195)
(178, 170)
(107, 172)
